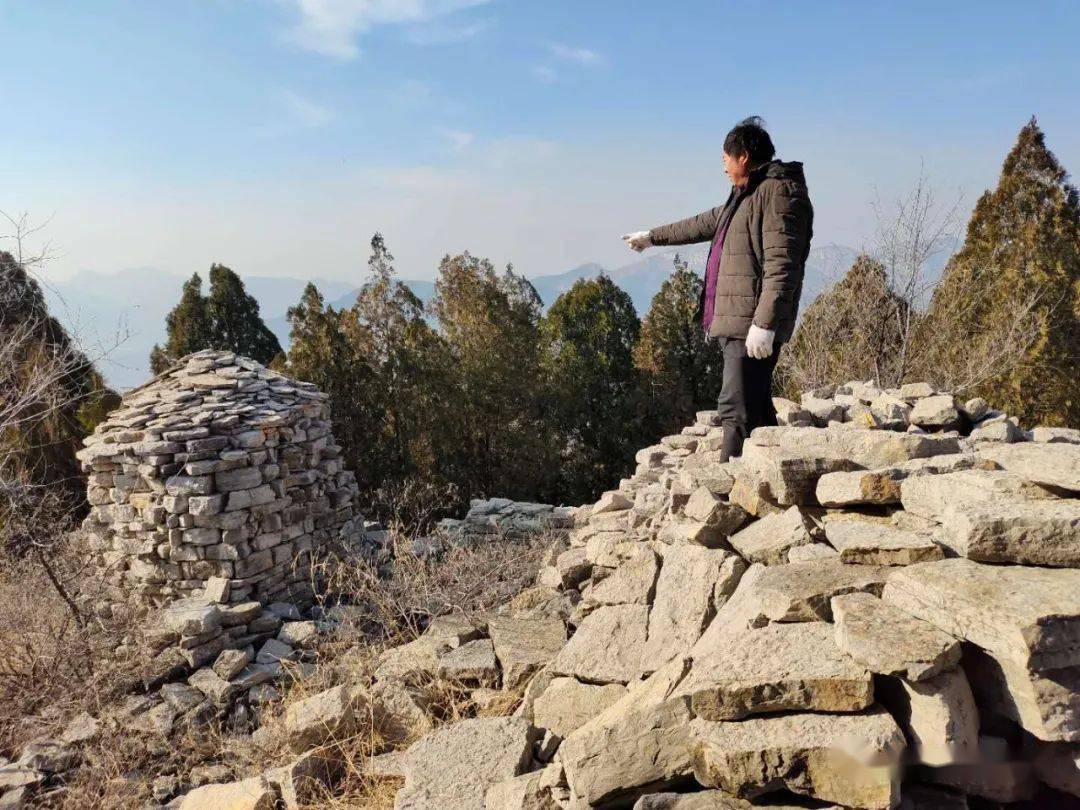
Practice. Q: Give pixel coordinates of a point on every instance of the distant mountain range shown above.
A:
(118, 317)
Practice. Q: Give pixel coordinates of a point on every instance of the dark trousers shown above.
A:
(745, 400)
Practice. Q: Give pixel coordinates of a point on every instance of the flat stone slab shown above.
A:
(800, 592)
(1028, 532)
(1055, 465)
(882, 486)
(932, 496)
(568, 704)
(889, 641)
(456, 765)
(524, 646)
(472, 661)
(849, 759)
(708, 800)
(1046, 703)
(780, 667)
(1029, 616)
(694, 582)
(770, 539)
(631, 583)
(607, 647)
(871, 449)
(791, 474)
(636, 744)
(860, 541)
(938, 716)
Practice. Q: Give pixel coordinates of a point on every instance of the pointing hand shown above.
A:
(639, 240)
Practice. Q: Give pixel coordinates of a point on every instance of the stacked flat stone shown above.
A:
(216, 468)
(877, 605)
(502, 517)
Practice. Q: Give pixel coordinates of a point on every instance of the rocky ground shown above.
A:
(876, 606)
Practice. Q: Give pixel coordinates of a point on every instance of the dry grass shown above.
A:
(52, 668)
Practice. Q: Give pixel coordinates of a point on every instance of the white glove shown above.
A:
(639, 240)
(759, 342)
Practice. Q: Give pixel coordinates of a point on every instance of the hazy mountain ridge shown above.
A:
(122, 315)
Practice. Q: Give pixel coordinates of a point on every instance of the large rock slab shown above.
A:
(1045, 703)
(256, 793)
(473, 661)
(932, 496)
(632, 583)
(860, 541)
(530, 791)
(568, 704)
(608, 645)
(780, 667)
(850, 759)
(693, 583)
(889, 641)
(1054, 465)
(791, 474)
(708, 800)
(1036, 532)
(524, 646)
(882, 486)
(939, 716)
(1029, 616)
(870, 449)
(704, 506)
(638, 743)
(332, 715)
(800, 592)
(456, 765)
(770, 539)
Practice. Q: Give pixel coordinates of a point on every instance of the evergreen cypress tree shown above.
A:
(1004, 322)
(850, 332)
(588, 343)
(187, 327)
(682, 369)
(228, 318)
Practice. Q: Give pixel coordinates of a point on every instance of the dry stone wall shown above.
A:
(217, 469)
(877, 605)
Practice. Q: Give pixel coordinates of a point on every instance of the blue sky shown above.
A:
(277, 135)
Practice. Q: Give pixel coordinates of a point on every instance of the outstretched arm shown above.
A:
(699, 228)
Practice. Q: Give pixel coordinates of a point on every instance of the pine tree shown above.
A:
(187, 327)
(227, 318)
(850, 332)
(1004, 322)
(406, 391)
(588, 343)
(490, 326)
(681, 369)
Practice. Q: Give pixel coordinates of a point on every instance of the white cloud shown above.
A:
(577, 55)
(545, 73)
(439, 34)
(332, 27)
(457, 139)
(306, 112)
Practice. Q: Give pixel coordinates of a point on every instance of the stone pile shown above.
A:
(877, 605)
(502, 517)
(218, 468)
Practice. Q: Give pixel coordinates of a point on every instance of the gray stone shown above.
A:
(1036, 532)
(456, 765)
(191, 617)
(890, 642)
(631, 583)
(326, 716)
(1029, 616)
(860, 541)
(249, 794)
(567, 704)
(608, 645)
(770, 539)
(240, 478)
(780, 667)
(1052, 465)
(231, 663)
(472, 661)
(939, 411)
(849, 759)
(938, 716)
(693, 583)
(212, 685)
(523, 646)
(800, 592)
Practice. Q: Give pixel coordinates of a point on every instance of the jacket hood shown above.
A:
(780, 170)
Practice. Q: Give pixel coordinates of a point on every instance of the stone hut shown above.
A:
(216, 469)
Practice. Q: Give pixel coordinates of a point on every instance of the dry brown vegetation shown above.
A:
(53, 667)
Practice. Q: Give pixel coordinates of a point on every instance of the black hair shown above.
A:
(748, 137)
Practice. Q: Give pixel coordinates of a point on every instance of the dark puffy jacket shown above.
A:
(769, 225)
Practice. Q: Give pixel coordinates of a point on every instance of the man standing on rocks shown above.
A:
(753, 277)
